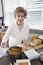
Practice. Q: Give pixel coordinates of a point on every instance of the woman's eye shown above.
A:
(22, 16)
(18, 15)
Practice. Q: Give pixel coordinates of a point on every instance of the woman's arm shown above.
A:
(6, 37)
(25, 41)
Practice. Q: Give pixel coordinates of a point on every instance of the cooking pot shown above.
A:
(14, 57)
(41, 56)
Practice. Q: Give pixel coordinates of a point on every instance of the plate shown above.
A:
(41, 37)
(32, 44)
(23, 62)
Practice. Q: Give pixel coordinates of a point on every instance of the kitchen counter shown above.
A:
(3, 29)
(4, 60)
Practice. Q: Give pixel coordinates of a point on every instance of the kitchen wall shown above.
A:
(1, 12)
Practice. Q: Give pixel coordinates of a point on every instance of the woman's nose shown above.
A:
(20, 17)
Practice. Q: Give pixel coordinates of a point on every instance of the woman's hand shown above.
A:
(4, 45)
(25, 43)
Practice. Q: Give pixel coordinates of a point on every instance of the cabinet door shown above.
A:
(1, 36)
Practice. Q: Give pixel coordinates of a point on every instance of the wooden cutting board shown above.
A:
(34, 47)
(38, 46)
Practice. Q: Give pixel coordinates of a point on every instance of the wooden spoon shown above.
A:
(9, 51)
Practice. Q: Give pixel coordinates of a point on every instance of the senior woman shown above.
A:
(18, 31)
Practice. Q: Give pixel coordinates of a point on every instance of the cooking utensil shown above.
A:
(14, 57)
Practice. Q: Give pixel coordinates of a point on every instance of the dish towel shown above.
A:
(3, 51)
(31, 54)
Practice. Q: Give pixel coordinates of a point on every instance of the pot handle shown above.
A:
(9, 51)
(24, 50)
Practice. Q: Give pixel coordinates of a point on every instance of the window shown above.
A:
(34, 9)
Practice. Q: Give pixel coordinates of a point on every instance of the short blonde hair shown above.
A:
(20, 9)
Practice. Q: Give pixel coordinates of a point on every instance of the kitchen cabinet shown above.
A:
(1, 36)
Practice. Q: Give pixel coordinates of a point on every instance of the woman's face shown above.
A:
(20, 17)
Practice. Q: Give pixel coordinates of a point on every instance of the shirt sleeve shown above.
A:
(7, 35)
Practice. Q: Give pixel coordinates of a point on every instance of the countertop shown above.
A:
(4, 60)
(3, 29)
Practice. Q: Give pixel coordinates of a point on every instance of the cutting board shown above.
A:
(30, 47)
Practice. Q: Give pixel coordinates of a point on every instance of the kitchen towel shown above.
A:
(31, 54)
(3, 51)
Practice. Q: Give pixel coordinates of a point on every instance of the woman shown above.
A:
(18, 31)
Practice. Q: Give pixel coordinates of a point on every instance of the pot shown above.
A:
(41, 57)
(14, 56)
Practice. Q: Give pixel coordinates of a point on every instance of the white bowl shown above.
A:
(41, 37)
(23, 61)
(41, 56)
